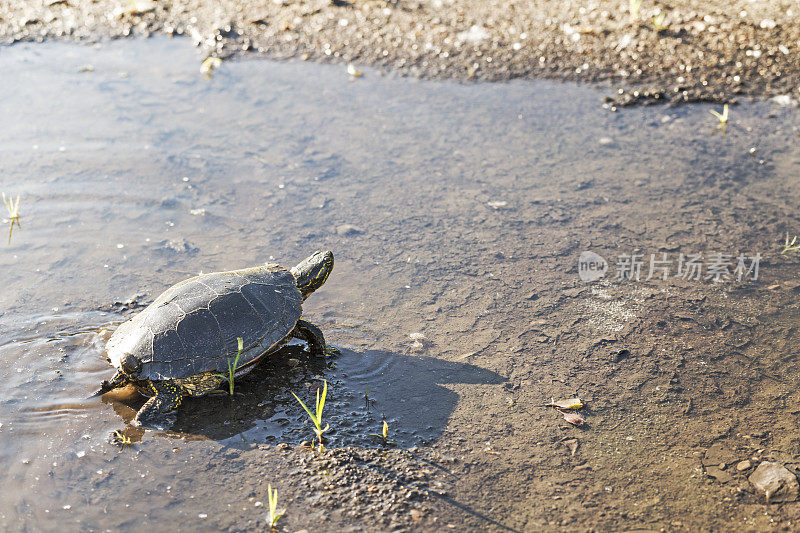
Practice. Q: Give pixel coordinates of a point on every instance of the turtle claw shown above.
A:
(104, 388)
(119, 438)
(119, 380)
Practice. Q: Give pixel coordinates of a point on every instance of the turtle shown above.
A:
(183, 343)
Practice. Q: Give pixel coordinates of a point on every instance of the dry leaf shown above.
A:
(570, 403)
(573, 418)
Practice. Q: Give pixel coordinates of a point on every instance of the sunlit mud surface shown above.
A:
(457, 212)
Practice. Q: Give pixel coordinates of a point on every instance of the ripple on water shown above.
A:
(52, 362)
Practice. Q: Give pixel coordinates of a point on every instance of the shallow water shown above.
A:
(471, 205)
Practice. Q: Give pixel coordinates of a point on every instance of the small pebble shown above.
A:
(783, 100)
(345, 230)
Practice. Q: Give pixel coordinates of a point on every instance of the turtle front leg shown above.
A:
(310, 333)
(158, 411)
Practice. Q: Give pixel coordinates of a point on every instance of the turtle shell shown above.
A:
(193, 326)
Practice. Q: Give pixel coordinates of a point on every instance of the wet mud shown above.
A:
(458, 214)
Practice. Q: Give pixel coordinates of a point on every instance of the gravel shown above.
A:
(706, 51)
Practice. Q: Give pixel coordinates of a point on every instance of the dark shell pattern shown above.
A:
(193, 326)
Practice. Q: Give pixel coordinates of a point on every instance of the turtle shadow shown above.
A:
(364, 388)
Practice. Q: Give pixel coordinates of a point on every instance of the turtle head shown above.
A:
(312, 272)
(130, 365)
(130, 368)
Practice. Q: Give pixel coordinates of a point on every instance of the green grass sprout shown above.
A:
(233, 366)
(633, 8)
(13, 213)
(722, 117)
(658, 22)
(210, 64)
(790, 246)
(367, 399)
(383, 436)
(317, 418)
(274, 515)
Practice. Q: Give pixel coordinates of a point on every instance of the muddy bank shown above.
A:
(670, 51)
